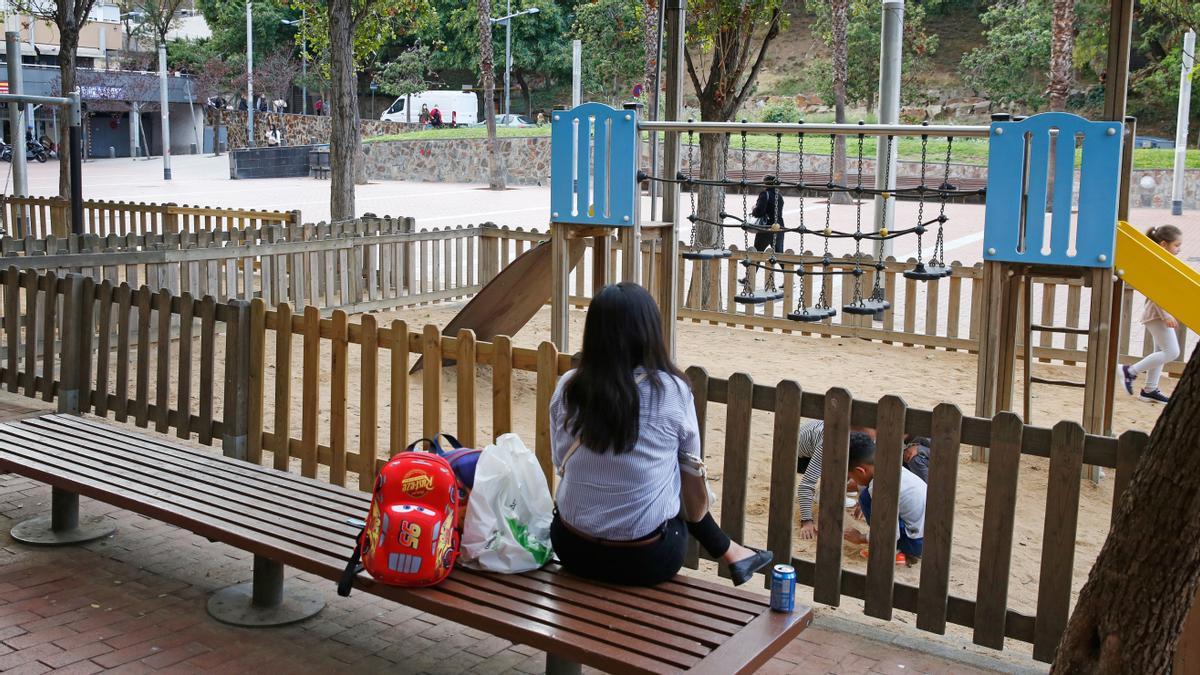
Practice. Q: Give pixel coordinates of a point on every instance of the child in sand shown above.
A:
(910, 531)
(1161, 327)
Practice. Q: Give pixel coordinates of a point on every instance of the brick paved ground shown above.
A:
(134, 603)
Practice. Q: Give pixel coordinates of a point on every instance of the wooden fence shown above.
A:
(42, 217)
(333, 399)
(367, 265)
(939, 314)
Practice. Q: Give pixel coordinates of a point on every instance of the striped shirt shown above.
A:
(812, 435)
(627, 496)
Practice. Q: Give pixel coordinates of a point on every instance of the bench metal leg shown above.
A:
(262, 602)
(557, 665)
(63, 526)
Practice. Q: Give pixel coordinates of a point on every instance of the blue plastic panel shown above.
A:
(593, 166)
(1017, 191)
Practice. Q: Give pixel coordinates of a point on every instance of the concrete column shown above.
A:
(1181, 121)
(890, 58)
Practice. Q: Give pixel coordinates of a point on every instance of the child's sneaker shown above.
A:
(1155, 396)
(1128, 378)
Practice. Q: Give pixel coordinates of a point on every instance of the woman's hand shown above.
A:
(808, 530)
(1171, 322)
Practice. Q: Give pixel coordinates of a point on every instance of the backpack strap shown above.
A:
(562, 467)
(353, 567)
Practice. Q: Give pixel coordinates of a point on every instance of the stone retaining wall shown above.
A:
(526, 161)
(298, 129)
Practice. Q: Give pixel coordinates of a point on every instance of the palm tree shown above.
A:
(1062, 44)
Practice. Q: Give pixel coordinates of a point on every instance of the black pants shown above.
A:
(645, 565)
(773, 239)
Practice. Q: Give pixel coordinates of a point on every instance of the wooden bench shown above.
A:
(285, 519)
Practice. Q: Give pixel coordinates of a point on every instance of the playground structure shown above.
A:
(1031, 174)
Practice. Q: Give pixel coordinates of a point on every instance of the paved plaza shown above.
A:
(204, 180)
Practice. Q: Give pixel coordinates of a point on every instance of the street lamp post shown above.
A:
(249, 75)
(303, 60)
(507, 21)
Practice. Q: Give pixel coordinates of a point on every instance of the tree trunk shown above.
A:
(343, 101)
(710, 202)
(1062, 44)
(526, 95)
(68, 42)
(840, 25)
(1137, 596)
(650, 47)
(487, 72)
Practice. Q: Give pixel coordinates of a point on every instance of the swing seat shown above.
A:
(813, 314)
(706, 254)
(757, 297)
(924, 272)
(867, 306)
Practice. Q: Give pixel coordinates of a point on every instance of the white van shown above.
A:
(455, 106)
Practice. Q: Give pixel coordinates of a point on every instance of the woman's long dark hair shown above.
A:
(623, 331)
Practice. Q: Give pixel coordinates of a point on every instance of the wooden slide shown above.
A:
(510, 300)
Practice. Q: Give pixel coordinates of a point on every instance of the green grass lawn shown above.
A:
(964, 150)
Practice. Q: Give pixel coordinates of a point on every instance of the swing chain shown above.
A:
(857, 299)
(921, 202)
(939, 250)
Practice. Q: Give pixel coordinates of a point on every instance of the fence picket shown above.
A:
(103, 348)
(162, 409)
(431, 381)
(208, 366)
(547, 378)
(282, 434)
(337, 399)
(735, 477)
(1058, 538)
(939, 519)
(885, 506)
(141, 405)
(999, 513)
(466, 388)
(31, 282)
(368, 405)
(12, 327)
(257, 366)
(786, 439)
(827, 580)
(398, 338)
(183, 394)
(502, 393)
(310, 369)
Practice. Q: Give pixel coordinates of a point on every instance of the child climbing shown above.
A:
(1161, 327)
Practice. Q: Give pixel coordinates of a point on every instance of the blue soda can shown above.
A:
(783, 588)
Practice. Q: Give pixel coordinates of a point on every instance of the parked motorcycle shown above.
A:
(5, 152)
(35, 150)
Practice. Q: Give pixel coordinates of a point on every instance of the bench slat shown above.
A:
(219, 494)
(649, 638)
(293, 483)
(575, 619)
(704, 629)
(183, 504)
(683, 599)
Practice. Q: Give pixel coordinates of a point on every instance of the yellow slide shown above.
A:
(1160, 276)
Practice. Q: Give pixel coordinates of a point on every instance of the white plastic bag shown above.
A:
(507, 528)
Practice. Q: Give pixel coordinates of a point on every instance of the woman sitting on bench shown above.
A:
(622, 425)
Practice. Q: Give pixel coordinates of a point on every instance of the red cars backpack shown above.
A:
(410, 537)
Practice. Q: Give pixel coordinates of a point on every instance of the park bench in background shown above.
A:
(284, 519)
